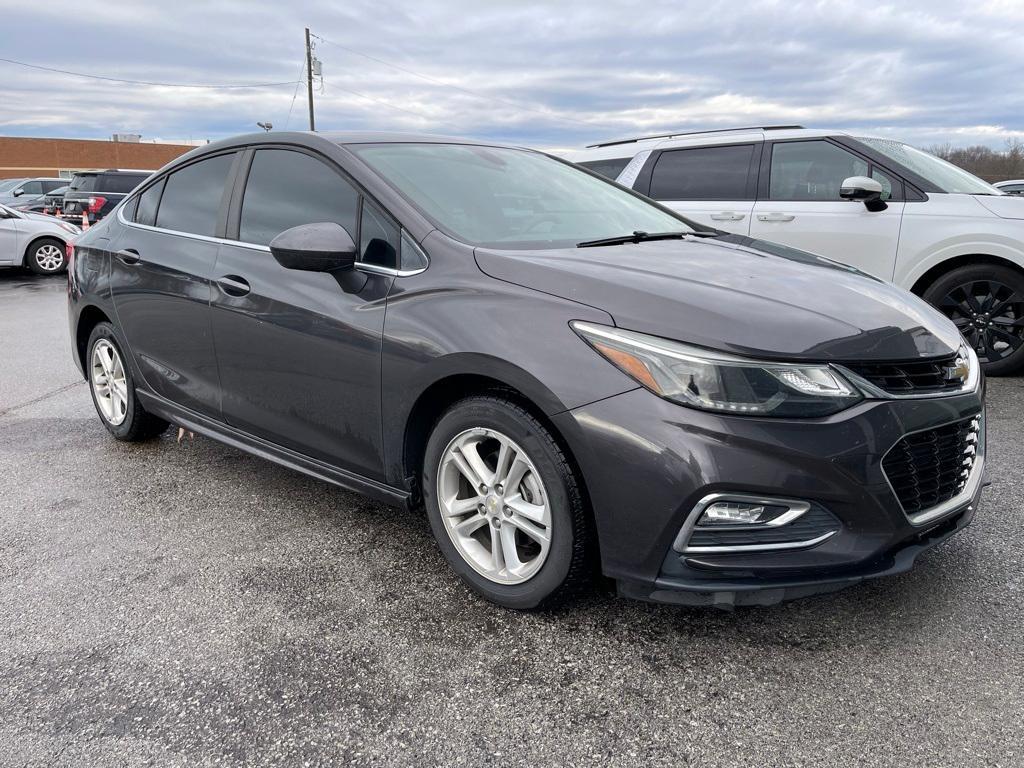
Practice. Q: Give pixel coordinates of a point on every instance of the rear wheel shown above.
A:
(46, 257)
(986, 302)
(505, 505)
(113, 391)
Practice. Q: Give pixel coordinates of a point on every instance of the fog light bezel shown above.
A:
(797, 508)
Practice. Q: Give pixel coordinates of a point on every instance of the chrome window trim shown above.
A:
(679, 545)
(971, 487)
(373, 268)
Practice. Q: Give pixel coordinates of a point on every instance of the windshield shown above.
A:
(8, 184)
(946, 176)
(512, 198)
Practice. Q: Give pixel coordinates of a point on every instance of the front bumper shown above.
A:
(647, 462)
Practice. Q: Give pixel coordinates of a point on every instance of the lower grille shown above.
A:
(928, 468)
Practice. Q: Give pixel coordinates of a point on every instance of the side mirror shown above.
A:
(320, 247)
(868, 191)
(18, 193)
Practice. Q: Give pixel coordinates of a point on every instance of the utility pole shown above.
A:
(309, 80)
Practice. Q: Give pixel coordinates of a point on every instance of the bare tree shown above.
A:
(985, 162)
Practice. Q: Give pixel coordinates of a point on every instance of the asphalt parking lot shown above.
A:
(166, 604)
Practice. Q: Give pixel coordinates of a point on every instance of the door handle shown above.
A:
(233, 285)
(728, 216)
(775, 217)
(129, 256)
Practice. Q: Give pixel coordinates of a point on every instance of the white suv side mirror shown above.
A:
(868, 191)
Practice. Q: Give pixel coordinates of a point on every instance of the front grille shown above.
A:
(913, 377)
(930, 467)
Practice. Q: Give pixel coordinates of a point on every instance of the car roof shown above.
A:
(131, 171)
(629, 147)
(1008, 181)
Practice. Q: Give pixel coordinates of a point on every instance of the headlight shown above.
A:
(715, 381)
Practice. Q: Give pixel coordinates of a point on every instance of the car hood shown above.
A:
(737, 294)
(1003, 206)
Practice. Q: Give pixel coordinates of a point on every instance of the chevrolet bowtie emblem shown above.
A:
(958, 371)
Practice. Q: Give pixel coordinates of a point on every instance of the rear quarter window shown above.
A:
(608, 168)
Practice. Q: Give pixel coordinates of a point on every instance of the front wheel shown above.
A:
(505, 505)
(46, 257)
(986, 302)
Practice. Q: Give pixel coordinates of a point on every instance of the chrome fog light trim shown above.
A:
(796, 508)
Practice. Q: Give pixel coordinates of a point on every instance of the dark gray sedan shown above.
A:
(570, 378)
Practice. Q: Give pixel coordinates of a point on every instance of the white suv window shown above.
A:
(703, 173)
(814, 170)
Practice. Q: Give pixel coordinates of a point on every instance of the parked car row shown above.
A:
(568, 376)
(29, 237)
(876, 204)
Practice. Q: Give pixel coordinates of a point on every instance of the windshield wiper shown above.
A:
(640, 237)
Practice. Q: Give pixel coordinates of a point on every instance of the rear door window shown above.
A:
(287, 188)
(192, 196)
(703, 173)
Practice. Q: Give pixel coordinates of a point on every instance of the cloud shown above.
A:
(540, 73)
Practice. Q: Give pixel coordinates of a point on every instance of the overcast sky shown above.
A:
(553, 75)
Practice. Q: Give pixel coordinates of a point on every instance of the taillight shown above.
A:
(95, 203)
(69, 252)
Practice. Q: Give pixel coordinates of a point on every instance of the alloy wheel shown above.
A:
(990, 315)
(108, 382)
(49, 257)
(494, 506)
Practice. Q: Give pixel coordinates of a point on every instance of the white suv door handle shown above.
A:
(775, 217)
(728, 216)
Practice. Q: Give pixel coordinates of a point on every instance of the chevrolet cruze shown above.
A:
(570, 378)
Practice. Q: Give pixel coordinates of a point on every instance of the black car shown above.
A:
(97, 193)
(568, 376)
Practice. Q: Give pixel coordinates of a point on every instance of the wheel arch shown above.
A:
(934, 272)
(447, 390)
(88, 319)
(35, 239)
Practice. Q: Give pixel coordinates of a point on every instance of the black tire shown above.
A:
(567, 570)
(138, 423)
(45, 246)
(968, 294)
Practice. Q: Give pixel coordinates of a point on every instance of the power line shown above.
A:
(435, 81)
(143, 82)
(298, 82)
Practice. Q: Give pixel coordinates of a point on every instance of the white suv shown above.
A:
(880, 205)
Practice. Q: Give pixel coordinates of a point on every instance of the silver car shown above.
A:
(34, 240)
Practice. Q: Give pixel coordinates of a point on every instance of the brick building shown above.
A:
(62, 157)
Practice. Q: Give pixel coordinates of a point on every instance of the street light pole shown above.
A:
(309, 80)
